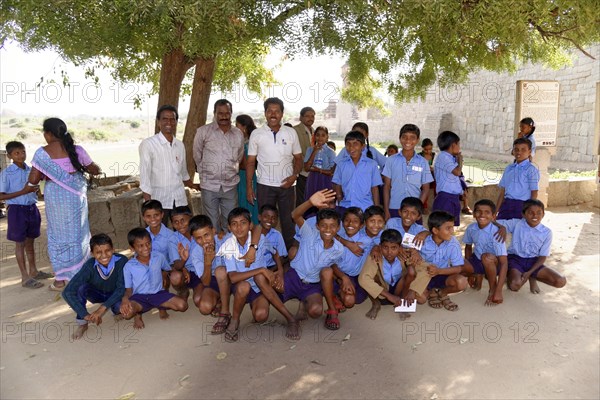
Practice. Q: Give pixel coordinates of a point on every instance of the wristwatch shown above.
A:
(254, 246)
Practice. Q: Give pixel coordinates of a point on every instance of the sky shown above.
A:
(303, 82)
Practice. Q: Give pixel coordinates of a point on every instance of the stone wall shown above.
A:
(482, 112)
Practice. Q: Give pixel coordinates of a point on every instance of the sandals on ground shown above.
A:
(221, 325)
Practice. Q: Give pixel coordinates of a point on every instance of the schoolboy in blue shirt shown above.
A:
(143, 281)
(518, 183)
(368, 151)
(447, 170)
(100, 280)
(251, 284)
(318, 249)
(489, 257)
(273, 246)
(215, 290)
(24, 218)
(529, 249)
(356, 179)
(406, 174)
(442, 251)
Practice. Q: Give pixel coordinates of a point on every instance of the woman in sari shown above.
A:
(245, 123)
(63, 165)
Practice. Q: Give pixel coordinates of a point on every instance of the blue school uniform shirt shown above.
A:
(325, 158)
(392, 272)
(484, 241)
(375, 240)
(396, 223)
(232, 251)
(13, 179)
(197, 256)
(312, 221)
(351, 264)
(445, 180)
(528, 242)
(145, 279)
(267, 246)
(519, 179)
(312, 255)
(531, 138)
(165, 243)
(379, 158)
(447, 254)
(407, 179)
(185, 242)
(356, 181)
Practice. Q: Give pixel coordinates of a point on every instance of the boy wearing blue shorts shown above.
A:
(24, 220)
(143, 281)
(180, 276)
(529, 249)
(447, 170)
(100, 280)
(489, 257)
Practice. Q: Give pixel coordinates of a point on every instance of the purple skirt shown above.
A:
(510, 209)
(315, 182)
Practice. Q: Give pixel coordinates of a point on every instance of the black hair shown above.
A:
(447, 139)
(438, 218)
(273, 100)
(288, 124)
(137, 233)
(364, 127)
(167, 107)
(485, 202)
(426, 142)
(331, 143)
(152, 205)
(267, 207)
(247, 122)
(391, 146)
(328, 213)
(410, 128)
(527, 204)
(199, 222)
(412, 202)
(354, 135)
(391, 236)
(181, 210)
(58, 129)
(528, 121)
(356, 211)
(305, 110)
(374, 210)
(222, 102)
(99, 240)
(14, 145)
(322, 128)
(522, 140)
(239, 212)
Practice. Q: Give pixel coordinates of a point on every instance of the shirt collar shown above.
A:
(111, 264)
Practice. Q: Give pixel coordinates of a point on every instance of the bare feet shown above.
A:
(533, 286)
(301, 314)
(118, 317)
(375, 307)
(475, 281)
(78, 334)
(163, 314)
(489, 302)
(138, 322)
(292, 331)
(404, 316)
(497, 296)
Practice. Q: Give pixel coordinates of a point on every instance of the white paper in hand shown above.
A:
(404, 308)
(407, 241)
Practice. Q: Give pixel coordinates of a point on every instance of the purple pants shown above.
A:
(449, 203)
(150, 301)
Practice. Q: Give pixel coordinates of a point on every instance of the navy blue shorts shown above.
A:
(150, 301)
(24, 222)
(523, 264)
(194, 280)
(360, 294)
(252, 295)
(511, 209)
(477, 265)
(437, 282)
(449, 203)
(294, 288)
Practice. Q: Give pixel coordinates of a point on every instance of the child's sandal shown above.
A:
(434, 300)
(332, 321)
(221, 326)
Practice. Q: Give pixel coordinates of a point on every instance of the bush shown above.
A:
(97, 135)
(134, 124)
(22, 135)
(17, 125)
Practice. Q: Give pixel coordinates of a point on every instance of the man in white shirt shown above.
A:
(279, 156)
(305, 132)
(163, 168)
(218, 150)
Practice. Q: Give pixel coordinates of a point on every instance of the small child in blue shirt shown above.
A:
(406, 174)
(318, 249)
(529, 249)
(447, 170)
(442, 251)
(24, 220)
(319, 163)
(253, 284)
(489, 257)
(143, 281)
(518, 183)
(356, 178)
(215, 288)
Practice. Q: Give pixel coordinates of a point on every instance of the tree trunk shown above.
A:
(174, 66)
(203, 77)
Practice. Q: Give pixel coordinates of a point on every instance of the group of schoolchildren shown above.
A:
(348, 247)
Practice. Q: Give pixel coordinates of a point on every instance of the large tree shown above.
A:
(402, 46)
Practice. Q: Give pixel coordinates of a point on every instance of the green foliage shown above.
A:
(96, 134)
(134, 124)
(22, 135)
(566, 174)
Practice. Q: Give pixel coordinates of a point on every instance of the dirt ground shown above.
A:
(532, 346)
